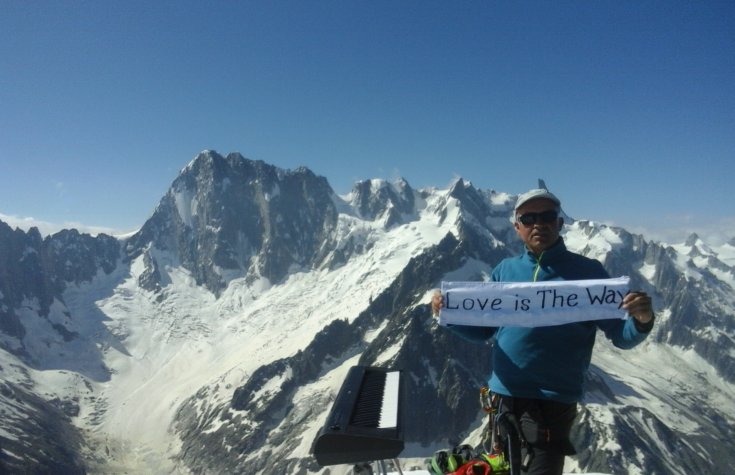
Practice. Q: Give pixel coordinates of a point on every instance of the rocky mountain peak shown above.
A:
(380, 199)
(261, 373)
(225, 217)
(692, 239)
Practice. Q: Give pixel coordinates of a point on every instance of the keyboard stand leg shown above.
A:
(362, 469)
(367, 468)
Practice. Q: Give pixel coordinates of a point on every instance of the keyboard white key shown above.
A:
(389, 408)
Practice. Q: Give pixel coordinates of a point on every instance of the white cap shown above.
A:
(536, 194)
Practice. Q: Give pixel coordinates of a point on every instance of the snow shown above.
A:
(726, 253)
(685, 377)
(225, 184)
(501, 198)
(276, 191)
(158, 353)
(27, 252)
(186, 205)
(597, 245)
(698, 257)
(648, 271)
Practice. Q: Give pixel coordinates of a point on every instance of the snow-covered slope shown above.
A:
(215, 339)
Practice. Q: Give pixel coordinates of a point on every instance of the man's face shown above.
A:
(543, 234)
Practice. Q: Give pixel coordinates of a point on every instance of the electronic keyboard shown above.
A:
(364, 424)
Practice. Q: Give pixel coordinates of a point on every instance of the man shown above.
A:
(539, 372)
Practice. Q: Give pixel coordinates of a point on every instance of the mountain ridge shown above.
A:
(240, 256)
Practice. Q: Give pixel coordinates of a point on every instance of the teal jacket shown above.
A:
(549, 362)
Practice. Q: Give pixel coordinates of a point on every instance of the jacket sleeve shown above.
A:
(473, 334)
(623, 334)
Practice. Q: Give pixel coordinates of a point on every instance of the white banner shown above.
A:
(532, 304)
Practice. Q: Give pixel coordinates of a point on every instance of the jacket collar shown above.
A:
(549, 254)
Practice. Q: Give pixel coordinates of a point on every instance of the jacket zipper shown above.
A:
(538, 266)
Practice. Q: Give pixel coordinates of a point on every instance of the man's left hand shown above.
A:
(638, 305)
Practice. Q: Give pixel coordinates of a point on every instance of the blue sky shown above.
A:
(625, 108)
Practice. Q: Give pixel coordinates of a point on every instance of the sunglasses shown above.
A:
(544, 217)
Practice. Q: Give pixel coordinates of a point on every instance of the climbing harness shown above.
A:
(503, 435)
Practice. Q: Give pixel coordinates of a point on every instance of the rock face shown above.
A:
(227, 217)
(378, 199)
(39, 434)
(227, 220)
(35, 271)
